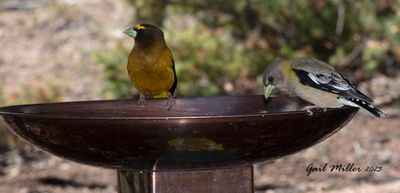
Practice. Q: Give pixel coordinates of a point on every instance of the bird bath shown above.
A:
(202, 144)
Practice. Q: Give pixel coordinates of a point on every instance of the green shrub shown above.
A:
(113, 62)
(222, 47)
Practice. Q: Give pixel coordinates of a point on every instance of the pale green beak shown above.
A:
(267, 90)
(130, 32)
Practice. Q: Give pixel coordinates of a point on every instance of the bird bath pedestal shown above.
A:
(200, 145)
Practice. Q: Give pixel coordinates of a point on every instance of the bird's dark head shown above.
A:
(145, 34)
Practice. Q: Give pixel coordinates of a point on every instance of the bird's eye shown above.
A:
(270, 79)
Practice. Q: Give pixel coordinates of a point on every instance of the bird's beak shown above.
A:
(130, 32)
(267, 90)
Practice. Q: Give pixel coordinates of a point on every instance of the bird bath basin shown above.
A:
(202, 144)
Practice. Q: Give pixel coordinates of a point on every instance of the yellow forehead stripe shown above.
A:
(139, 27)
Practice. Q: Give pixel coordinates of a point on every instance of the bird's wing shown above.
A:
(173, 87)
(330, 82)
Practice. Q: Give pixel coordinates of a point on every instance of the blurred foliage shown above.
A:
(3, 133)
(222, 47)
(113, 62)
(34, 92)
(2, 99)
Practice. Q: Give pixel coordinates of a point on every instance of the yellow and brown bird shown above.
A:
(151, 66)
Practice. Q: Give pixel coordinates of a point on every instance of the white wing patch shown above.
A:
(331, 80)
(341, 86)
(313, 78)
(347, 102)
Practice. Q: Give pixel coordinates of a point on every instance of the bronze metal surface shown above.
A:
(197, 133)
(234, 180)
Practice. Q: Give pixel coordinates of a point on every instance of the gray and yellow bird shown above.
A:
(151, 66)
(316, 82)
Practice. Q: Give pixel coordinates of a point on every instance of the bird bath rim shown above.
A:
(10, 110)
(237, 130)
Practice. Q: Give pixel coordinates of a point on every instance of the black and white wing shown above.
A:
(330, 82)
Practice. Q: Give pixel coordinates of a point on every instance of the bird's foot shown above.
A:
(171, 101)
(309, 108)
(141, 100)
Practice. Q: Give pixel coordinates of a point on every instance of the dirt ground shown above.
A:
(365, 141)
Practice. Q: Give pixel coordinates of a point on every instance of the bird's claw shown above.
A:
(141, 100)
(171, 101)
(309, 112)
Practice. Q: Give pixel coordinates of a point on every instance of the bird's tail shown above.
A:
(367, 106)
